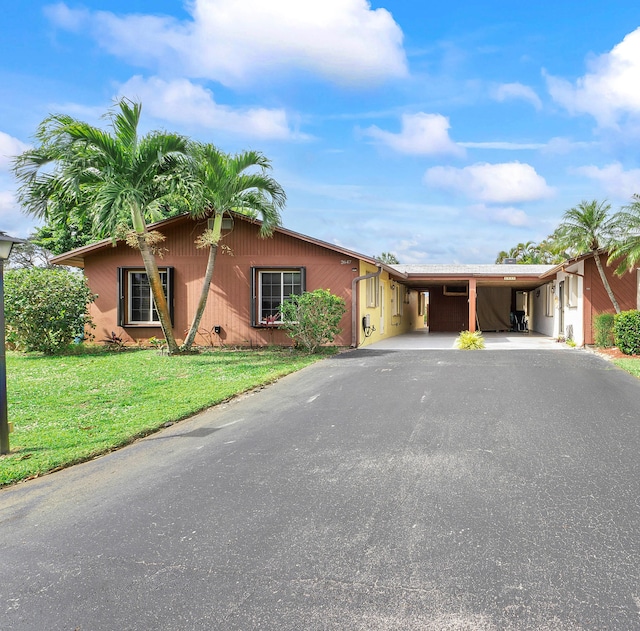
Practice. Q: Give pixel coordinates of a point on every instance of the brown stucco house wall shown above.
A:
(231, 304)
(596, 298)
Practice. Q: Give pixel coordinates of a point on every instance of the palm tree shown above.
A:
(238, 183)
(626, 247)
(588, 227)
(116, 179)
(389, 258)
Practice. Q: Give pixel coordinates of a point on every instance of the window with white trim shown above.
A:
(136, 306)
(272, 288)
(549, 296)
(373, 286)
(397, 299)
(572, 294)
(142, 308)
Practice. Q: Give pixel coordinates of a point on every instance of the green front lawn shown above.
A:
(72, 408)
(631, 365)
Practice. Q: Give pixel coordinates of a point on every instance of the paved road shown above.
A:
(435, 490)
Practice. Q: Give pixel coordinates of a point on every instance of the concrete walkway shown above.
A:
(423, 340)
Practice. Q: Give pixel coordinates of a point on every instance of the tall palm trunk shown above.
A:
(605, 282)
(151, 268)
(206, 283)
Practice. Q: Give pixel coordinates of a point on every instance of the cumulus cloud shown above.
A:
(610, 90)
(181, 101)
(421, 134)
(614, 179)
(235, 42)
(9, 148)
(504, 183)
(517, 91)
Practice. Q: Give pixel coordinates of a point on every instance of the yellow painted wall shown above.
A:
(384, 323)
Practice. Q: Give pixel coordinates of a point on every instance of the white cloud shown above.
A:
(559, 145)
(234, 42)
(9, 148)
(503, 146)
(7, 202)
(505, 183)
(181, 101)
(511, 91)
(12, 220)
(611, 88)
(422, 134)
(510, 215)
(617, 182)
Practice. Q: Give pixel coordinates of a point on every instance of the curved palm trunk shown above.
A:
(605, 282)
(202, 303)
(206, 284)
(157, 291)
(159, 299)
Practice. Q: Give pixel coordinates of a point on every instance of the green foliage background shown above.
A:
(45, 309)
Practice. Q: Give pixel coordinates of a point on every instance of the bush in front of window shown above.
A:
(312, 319)
(626, 330)
(46, 309)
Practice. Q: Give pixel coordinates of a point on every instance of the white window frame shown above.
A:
(153, 321)
(373, 291)
(262, 319)
(397, 300)
(572, 294)
(550, 294)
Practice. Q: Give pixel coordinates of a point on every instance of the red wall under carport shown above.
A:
(447, 313)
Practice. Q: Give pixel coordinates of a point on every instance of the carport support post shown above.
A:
(472, 304)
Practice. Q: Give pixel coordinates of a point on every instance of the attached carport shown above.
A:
(468, 297)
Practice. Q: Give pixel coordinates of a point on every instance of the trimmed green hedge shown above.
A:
(45, 309)
(603, 330)
(626, 331)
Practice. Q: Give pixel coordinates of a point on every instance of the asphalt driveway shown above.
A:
(377, 490)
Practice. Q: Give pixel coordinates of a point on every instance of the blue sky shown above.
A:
(441, 132)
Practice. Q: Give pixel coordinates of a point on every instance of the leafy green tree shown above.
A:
(626, 246)
(389, 258)
(240, 183)
(112, 179)
(61, 236)
(530, 253)
(313, 318)
(28, 254)
(588, 227)
(45, 309)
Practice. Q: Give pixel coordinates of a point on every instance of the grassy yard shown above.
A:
(631, 365)
(71, 408)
